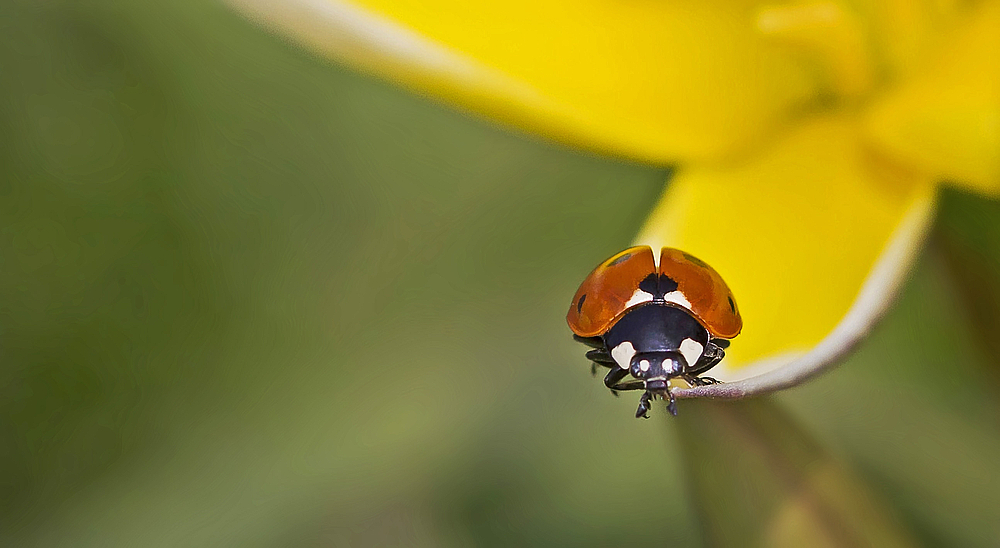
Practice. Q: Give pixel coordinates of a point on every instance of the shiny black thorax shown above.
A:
(656, 327)
(656, 332)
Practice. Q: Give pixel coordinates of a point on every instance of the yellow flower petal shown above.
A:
(947, 120)
(904, 31)
(812, 237)
(660, 81)
(831, 33)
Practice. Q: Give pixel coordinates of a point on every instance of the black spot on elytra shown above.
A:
(667, 284)
(579, 305)
(695, 260)
(658, 285)
(649, 285)
(620, 260)
(732, 305)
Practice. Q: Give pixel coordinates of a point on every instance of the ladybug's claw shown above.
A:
(643, 406)
(672, 406)
(700, 381)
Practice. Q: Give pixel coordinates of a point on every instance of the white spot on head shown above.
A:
(677, 298)
(623, 353)
(691, 350)
(639, 297)
(644, 365)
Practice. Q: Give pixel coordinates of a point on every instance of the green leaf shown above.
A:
(968, 238)
(759, 479)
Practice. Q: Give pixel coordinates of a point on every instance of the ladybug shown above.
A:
(654, 321)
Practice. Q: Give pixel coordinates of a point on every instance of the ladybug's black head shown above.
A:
(656, 368)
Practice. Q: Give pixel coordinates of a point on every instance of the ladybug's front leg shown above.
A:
(671, 401)
(613, 381)
(600, 356)
(699, 381)
(710, 358)
(645, 403)
(672, 405)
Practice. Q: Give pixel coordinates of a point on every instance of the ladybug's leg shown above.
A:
(672, 405)
(631, 385)
(615, 376)
(663, 395)
(710, 358)
(599, 353)
(613, 381)
(593, 342)
(599, 356)
(699, 381)
(644, 403)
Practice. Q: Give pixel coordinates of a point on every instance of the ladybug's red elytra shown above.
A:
(654, 321)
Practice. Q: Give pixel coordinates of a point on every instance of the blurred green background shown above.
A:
(251, 298)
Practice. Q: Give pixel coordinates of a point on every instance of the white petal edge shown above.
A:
(874, 299)
(378, 46)
(354, 35)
